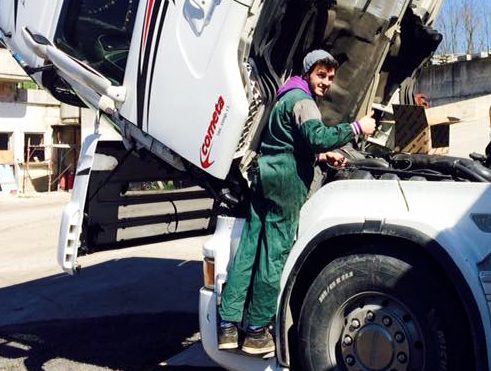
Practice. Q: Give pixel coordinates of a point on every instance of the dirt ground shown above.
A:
(129, 309)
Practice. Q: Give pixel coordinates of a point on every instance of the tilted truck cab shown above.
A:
(391, 267)
(178, 74)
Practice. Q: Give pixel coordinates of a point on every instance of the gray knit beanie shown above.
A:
(315, 56)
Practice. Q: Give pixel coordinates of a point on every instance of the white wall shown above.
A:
(9, 69)
(472, 134)
(106, 129)
(21, 118)
(34, 116)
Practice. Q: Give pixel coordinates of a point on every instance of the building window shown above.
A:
(5, 141)
(16, 92)
(7, 92)
(34, 147)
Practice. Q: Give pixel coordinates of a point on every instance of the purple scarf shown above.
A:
(295, 82)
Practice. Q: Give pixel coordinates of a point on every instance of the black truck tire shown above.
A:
(378, 312)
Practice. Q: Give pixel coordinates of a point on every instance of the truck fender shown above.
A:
(430, 247)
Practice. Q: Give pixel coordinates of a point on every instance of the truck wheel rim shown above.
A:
(375, 331)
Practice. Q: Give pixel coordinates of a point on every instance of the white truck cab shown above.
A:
(391, 268)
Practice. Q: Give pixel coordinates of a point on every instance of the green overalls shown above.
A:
(294, 134)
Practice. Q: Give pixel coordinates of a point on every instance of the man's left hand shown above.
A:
(333, 158)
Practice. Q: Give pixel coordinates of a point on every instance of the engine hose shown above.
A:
(471, 173)
(370, 162)
(479, 169)
(445, 164)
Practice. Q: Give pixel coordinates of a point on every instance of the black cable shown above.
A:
(176, 217)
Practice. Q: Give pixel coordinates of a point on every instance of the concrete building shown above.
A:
(39, 136)
(460, 86)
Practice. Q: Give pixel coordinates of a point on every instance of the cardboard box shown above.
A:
(420, 130)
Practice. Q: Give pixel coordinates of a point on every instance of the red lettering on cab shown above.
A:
(205, 149)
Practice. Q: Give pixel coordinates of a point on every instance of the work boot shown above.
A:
(258, 341)
(228, 336)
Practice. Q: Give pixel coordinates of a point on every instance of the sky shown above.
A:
(451, 16)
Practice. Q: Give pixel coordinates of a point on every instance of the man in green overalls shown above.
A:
(295, 135)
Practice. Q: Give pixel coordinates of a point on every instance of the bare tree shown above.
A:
(466, 26)
(471, 23)
(443, 27)
(486, 26)
(449, 24)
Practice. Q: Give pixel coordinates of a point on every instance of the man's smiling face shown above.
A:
(321, 79)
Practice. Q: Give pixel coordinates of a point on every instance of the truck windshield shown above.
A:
(98, 32)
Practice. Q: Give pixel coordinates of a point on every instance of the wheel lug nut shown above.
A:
(399, 337)
(387, 321)
(355, 323)
(350, 360)
(348, 340)
(402, 358)
(370, 316)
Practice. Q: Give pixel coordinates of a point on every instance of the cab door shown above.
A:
(184, 79)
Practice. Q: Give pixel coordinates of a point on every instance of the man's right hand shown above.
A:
(367, 124)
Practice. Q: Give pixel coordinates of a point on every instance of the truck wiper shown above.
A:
(73, 68)
(31, 70)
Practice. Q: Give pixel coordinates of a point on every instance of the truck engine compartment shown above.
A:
(406, 166)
